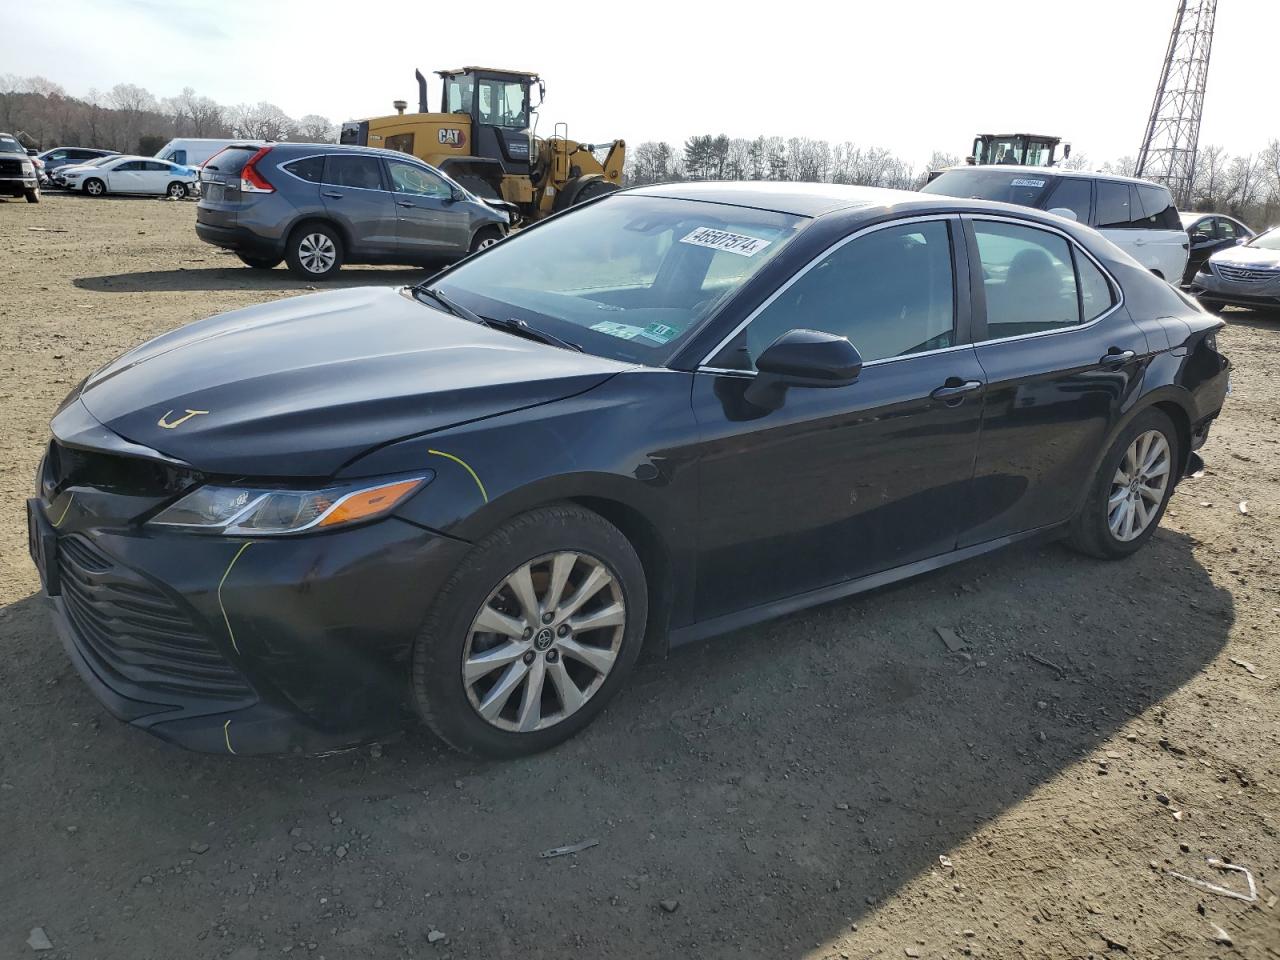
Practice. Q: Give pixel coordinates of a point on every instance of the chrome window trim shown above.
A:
(1117, 290)
(922, 218)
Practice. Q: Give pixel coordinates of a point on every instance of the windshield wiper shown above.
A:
(457, 309)
(521, 328)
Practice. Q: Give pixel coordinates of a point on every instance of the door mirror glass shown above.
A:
(811, 358)
(1064, 212)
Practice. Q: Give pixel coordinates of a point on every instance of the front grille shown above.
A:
(138, 639)
(113, 473)
(1246, 274)
(10, 168)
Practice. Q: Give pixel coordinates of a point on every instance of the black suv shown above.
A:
(318, 206)
(17, 170)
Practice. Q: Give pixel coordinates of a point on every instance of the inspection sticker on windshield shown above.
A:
(1027, 183)
(624, 331)
(660, 332)
(738, 243)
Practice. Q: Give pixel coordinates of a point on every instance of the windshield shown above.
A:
(1023, 187)
(1270, 240)
(10, 145)
(96, 161)
(628, 277)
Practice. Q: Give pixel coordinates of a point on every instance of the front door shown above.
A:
(429, 222)
(1060, 356)
(355, 196)
(128, 177)
(842, 482)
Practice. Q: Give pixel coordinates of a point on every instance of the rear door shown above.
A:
(1205, 242)
(357, 197)
(157, 175)
(429, 222)
(1157, 222)
(1060, 356)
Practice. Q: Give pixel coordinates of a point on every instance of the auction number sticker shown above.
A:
(738, 243)
(1027, 183)
(624, 331)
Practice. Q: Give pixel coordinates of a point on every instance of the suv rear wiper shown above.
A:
(518, 327)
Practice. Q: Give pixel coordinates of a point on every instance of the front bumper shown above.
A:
(16, 186)
(1215, 289)
(288, 644)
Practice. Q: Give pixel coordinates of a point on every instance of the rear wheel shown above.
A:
(314, 251)
(33, 195)
(1131, 489)
(94, 187)
(177, 190)
(259, 263)
(533, 635)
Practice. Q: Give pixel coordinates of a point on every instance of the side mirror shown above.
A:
(456, 194)
(1064, 212)
(802, 358)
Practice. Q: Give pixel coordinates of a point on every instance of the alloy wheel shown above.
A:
(93, 188)
(544, 641)
(317, 253)
(1139, 486)
(177, 190)
(486, 241)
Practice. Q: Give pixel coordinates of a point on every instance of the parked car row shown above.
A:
(128, 175)
(318, 206)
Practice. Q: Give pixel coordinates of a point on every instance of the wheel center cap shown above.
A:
(544, 638)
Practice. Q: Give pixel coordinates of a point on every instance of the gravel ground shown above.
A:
(833, 784)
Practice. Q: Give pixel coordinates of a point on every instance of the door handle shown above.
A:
(331, 194)
(405, 203)
(1115, 358)
(954, 390)
(1139, 242)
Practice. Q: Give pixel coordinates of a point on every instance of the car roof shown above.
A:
(1188, 219)
(311, 148)
(1054, 172)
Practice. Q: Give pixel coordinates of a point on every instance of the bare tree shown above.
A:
(194, 115)
(314, 128)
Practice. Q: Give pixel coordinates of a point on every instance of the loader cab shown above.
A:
(1021, 149)
(501, 108)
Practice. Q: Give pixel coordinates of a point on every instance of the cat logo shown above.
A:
(168, 424)
(452, 137)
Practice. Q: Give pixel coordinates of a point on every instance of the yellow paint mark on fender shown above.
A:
(230, 633)
(465, 466)
(226, 735)
(65, 510)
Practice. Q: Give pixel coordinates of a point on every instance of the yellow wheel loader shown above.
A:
(483, 137)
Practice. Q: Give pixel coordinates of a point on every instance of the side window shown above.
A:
(1156, 211)
(310, 169)
(401, 141)
(130, 167)
(1072, 193)
(353, 171)
(1226, 229)
(891, 292)
(1202, 232)
(178, 157)
(411, 178)
(1113, 205)
(155, 166)
(1028, 277)
(1096, 295)
(57, 155)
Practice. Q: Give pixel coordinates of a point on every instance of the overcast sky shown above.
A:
(911, 75)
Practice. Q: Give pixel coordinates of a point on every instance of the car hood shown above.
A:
(299, 387)
(1244, 256)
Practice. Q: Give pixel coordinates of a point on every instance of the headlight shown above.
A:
(28, 167)
(262, 511)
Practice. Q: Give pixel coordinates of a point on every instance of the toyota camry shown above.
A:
(669, 413)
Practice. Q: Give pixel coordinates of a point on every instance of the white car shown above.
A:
(126, 174)
(1137, 216)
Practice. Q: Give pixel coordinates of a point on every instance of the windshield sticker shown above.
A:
(738, 243)
(624, 331)
(1027, 183)
(661, 332)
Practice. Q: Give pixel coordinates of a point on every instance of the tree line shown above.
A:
(131, 119)
(1246, 186)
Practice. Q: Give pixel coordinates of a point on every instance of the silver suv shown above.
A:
(318, 206)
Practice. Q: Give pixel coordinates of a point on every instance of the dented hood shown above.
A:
(299, 387)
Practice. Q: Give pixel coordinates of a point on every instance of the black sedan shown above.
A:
(666, 414)
(1209, 233)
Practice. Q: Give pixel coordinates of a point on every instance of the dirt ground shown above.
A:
(830, 785)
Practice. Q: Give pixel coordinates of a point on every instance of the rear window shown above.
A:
(310, 169)
(231, 160)
(1023, 187)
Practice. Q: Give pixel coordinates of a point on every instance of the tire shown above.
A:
(479, 186)
(596, 188)
(314, 251)
(177, 190)
(485, 237)
(33, 195)
(1092, 530)
(450, 703)
(259, 263)
(94, 187)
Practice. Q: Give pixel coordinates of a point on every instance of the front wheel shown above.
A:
(485, 238)
(314, 252)
(533, 635)
(177, 190)
(1131, 489)
(33, 195)
(94, 187)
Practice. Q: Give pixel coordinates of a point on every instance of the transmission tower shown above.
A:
(1168, 152)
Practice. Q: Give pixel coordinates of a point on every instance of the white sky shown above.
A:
(911, 75)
